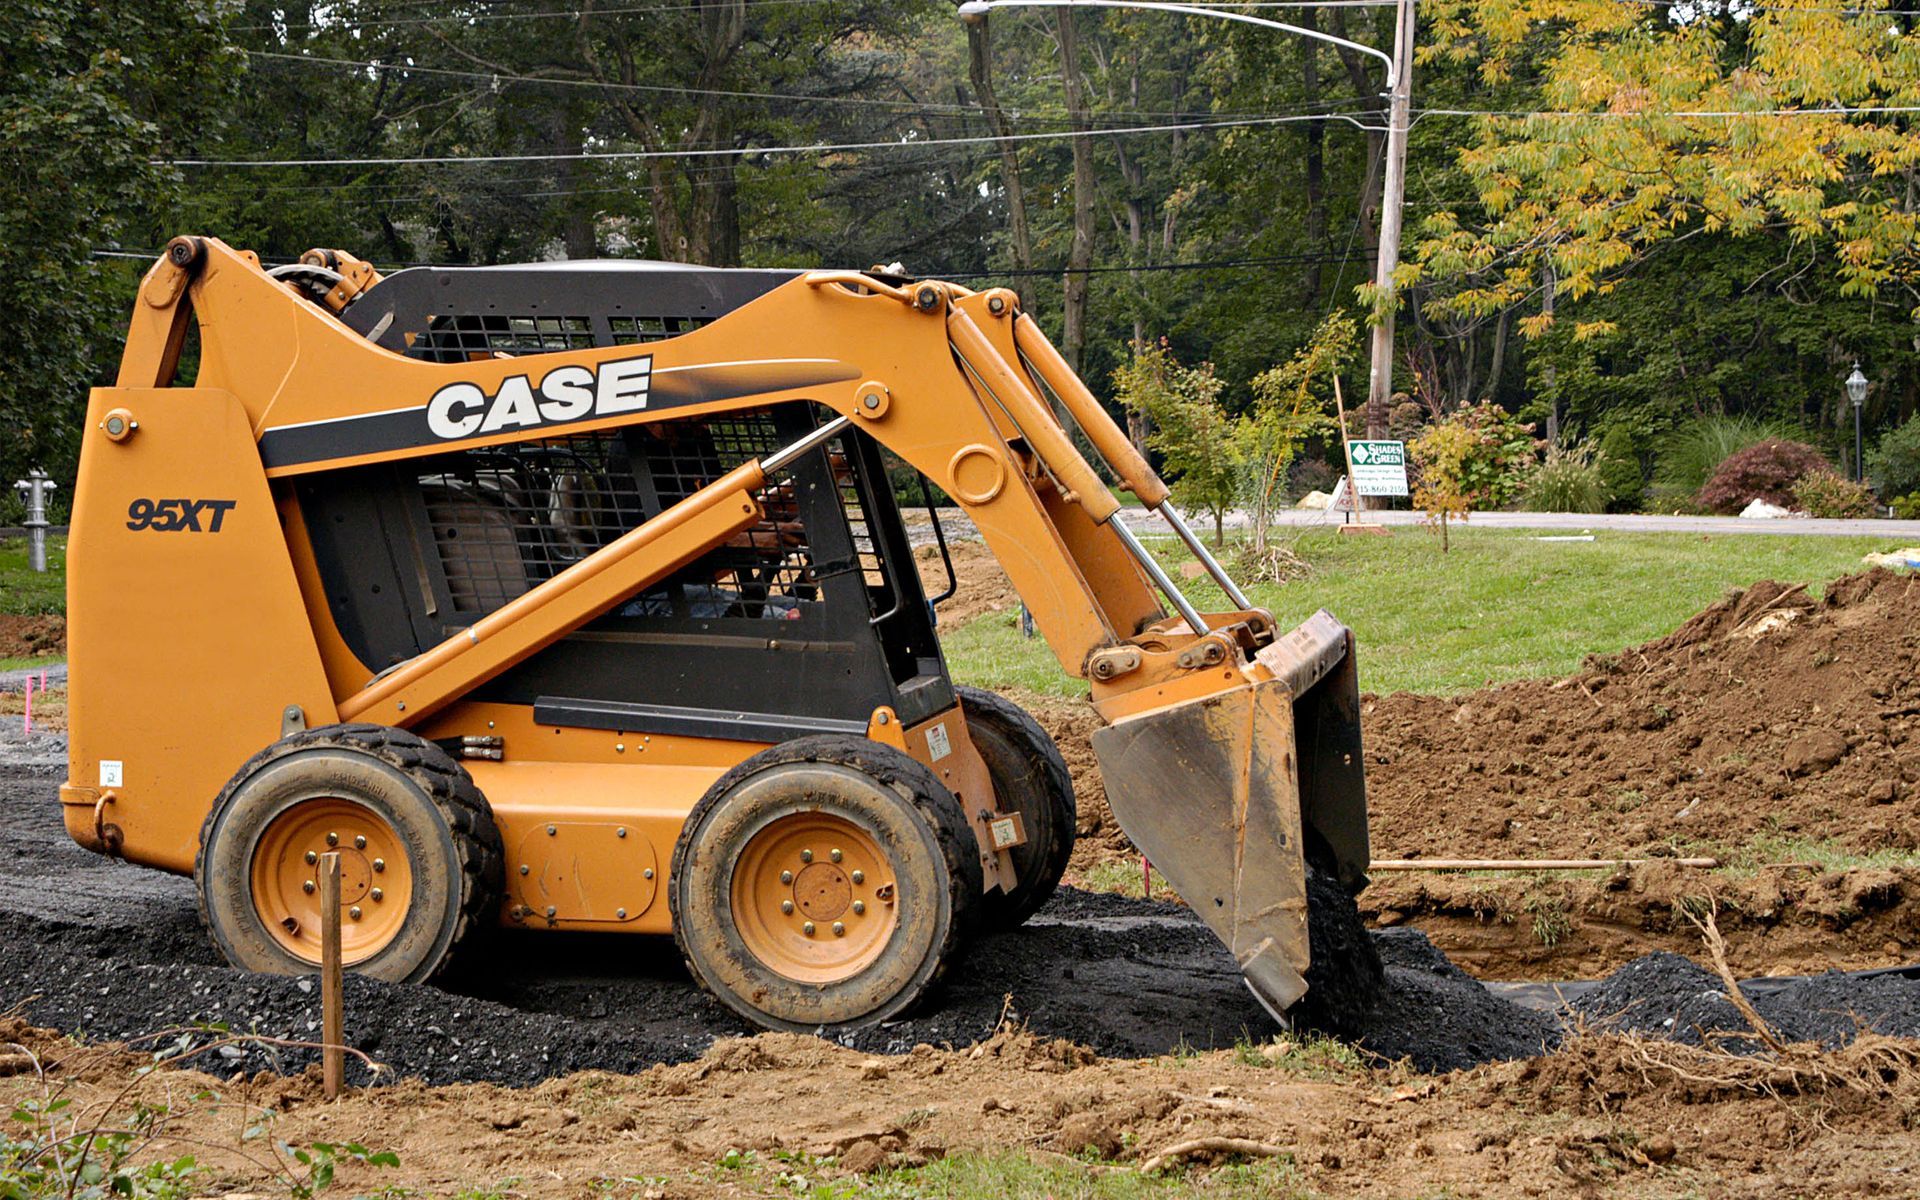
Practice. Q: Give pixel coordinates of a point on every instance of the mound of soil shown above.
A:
(32, 637)
(981, 587)
(1767, 713)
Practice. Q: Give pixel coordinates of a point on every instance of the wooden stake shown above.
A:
(1529, 864)
(332, 1019)
(1346, 450)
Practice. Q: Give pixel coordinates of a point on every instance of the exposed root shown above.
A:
(1181, 1151)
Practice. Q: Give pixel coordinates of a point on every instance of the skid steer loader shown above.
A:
(576, 597)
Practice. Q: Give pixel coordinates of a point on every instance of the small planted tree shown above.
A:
(1195, 437)
(1289, 406)
(1444, 455)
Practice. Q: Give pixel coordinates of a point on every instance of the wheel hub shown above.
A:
(813, 897)
(376, 884)
(823, 891)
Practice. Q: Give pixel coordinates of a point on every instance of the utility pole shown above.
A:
(1392, 200)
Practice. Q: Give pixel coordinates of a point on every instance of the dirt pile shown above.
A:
(981, 587)
(1769, 713)
(32, 637)
(1020, 1114)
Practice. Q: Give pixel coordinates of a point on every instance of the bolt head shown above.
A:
(806, 856)
(551, 910)
(525, 869)
(620, 832)
(620, 914)
(835, 855)
(360, 843)
(859, 876)
(647, 874)
(786, 877)
(378, 895)
(870, 400)
(312, 857)
(308, 887)
(552, 831)
(333, 839)
(839, 929)
(379, 864)
(807, 928)
(354, 912)
(786, 906)
(859, 908)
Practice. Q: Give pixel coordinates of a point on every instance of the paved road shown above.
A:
(1895, 533)
(1902, 532)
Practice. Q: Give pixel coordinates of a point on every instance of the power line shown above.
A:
(917, 106)
(1227, 264)
(749, 151)
(1687, 114)
(653, 9)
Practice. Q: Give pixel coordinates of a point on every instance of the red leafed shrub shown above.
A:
(1767, 470)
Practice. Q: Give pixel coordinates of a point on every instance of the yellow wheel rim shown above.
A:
(376, 883)
(814, 898)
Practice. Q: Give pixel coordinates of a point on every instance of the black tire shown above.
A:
(912, 823)
(1029, 777)
(440, 820)
(1345, 978)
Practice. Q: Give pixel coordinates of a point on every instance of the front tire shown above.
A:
(421, 858)
(823, 884)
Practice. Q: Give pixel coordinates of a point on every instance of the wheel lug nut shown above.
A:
(834, 855)
(312, 858)
(859, 876)
(859, 908)
(354, 912)
(806, 856)
(786, 906)
(807, 929)
(786, 877)
(839, 929)
(379, 864)
(378, 895)
(333, 839)
(307, 887)
(360, 843)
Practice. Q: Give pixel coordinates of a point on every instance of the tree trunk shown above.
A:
(980, 69)
(1316, 134)
(1073, 337)
(1548, 375)
(577, 232)
(1499, 364)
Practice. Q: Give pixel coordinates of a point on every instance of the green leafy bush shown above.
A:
(1766, 471)
(1907, 507)
(1689, 456)
(1571, 480)
(1497, 463)
(1827, 494)
(1619, 464)
(1894, 464)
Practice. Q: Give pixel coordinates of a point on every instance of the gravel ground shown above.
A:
(115, 951)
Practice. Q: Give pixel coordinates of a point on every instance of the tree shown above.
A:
(1443, 456)
(93, 98)
(1195, 437)
(1289, 406)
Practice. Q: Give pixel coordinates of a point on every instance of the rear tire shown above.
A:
(421, 858)
(823, 884)
(1030, 778)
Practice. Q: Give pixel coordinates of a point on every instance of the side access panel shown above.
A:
(187, 636)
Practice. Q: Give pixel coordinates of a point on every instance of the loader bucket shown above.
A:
(1230, 793)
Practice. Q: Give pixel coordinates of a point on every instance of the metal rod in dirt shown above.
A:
(1194, 620)
(1530, 864)
(1199, 551)
(333, 1022)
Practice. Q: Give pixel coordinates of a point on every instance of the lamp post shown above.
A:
(1857, 392)
(1399, 93)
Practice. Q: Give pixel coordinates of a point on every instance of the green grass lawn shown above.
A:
(1501, 605)
(24, 592)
